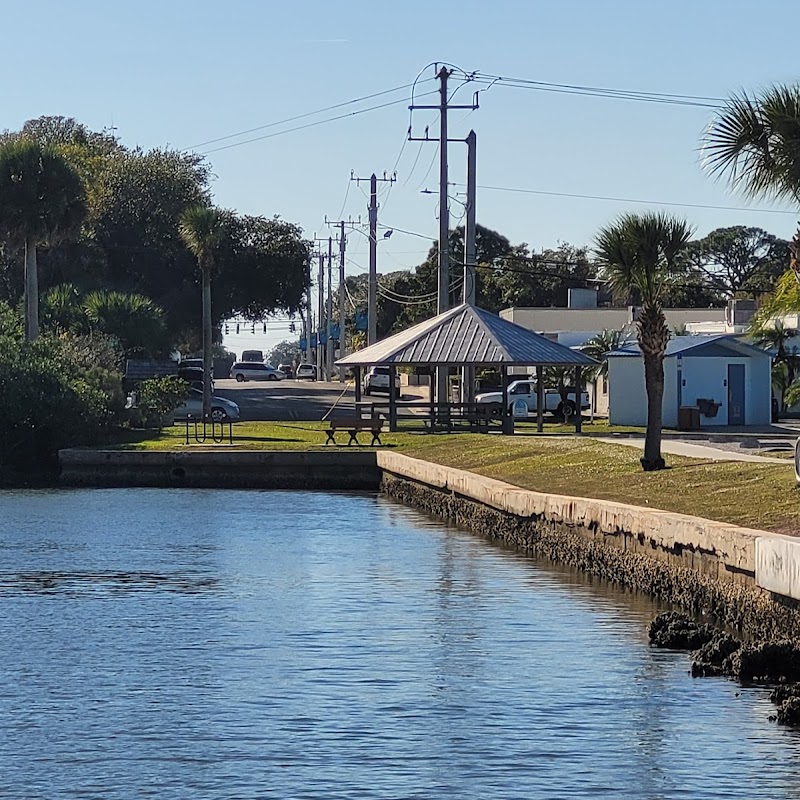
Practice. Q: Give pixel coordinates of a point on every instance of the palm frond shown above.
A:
(754, 143)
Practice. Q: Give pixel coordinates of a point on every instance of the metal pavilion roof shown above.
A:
(463, 336)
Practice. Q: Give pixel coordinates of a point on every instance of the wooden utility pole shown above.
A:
(372, 289)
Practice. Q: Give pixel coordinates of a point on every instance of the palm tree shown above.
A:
(597, 347)
(638, 254)
(776, 335)
(201, 229)
(754, 143)
(42, 200)
(134, 321)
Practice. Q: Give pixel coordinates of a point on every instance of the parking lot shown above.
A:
(283, 400)
(290, 400)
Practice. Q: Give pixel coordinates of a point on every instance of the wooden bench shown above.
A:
(354, 425)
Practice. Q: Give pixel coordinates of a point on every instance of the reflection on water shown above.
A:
(234, 644)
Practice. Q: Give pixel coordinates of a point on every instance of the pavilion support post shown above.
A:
(507, 417)
(357, 378)
(392, 399)
(432, 397)
(578, 393)
(539, 398)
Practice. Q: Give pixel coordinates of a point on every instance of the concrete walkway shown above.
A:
(690, 450)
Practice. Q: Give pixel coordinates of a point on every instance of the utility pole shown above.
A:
(470, 249)
(443, 296)
(372, 291)
(470, 255)
(320, 312)
(342, 339)
(307, 351)
(443, 278)
(328, 315)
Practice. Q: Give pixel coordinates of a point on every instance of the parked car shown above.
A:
(221, 409)
(526, 390)
(193, 376)
(377, 380)
(255, 371)
(306, 371)
(286, 369)
(191, 362)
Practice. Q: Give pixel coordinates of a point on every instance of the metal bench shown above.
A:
(354, 425)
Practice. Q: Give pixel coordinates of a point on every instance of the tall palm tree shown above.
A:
(754, 142)
(202, 229)
(638, 254)
(42, 200)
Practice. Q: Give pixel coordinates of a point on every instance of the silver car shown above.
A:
(255, 371)
(222, 410)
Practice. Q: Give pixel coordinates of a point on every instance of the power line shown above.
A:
(627, 199)
(668, 98)
(305, 115)
(311, 124)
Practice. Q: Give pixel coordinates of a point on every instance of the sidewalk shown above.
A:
(691, 450)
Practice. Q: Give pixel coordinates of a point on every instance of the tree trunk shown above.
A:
(653, 340)
(654, 386)
(207, 360)
(31, 291)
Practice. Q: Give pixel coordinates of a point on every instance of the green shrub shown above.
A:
(50, 401)
(158, 398)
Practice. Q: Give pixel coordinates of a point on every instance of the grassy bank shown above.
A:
(750, 494)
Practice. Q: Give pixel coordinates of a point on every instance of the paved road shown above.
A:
(284, 400)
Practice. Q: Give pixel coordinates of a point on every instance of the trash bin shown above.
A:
(689, 418)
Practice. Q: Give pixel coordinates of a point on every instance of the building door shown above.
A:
(736, 394)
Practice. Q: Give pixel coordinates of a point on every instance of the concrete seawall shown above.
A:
(246, 469)
(746, 578)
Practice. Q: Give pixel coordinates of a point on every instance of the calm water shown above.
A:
(224, 644)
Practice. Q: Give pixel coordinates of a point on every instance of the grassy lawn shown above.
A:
(751, 494)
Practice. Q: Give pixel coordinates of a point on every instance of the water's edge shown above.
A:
(698, 565)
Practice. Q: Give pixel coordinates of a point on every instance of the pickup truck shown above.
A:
(526, 390)
(377, 380)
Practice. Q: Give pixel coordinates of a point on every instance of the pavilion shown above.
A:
(468, 337)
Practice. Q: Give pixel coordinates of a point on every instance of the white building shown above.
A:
(728, 380)
(582, 320)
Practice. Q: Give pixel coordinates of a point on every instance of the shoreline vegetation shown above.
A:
(753, 495)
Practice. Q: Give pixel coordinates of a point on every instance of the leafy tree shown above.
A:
(201, 229)
(140, 199)
(42, 199)
(285, 353)
(262, 268)
(640, 252)
(738, 260)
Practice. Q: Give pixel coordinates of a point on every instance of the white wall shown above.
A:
(627, 396)
(627, 401)
(707, 377)
(703, 377)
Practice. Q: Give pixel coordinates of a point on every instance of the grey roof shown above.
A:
(467, 335)
(719, 345)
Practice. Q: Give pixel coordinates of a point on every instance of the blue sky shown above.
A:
(182, 73)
